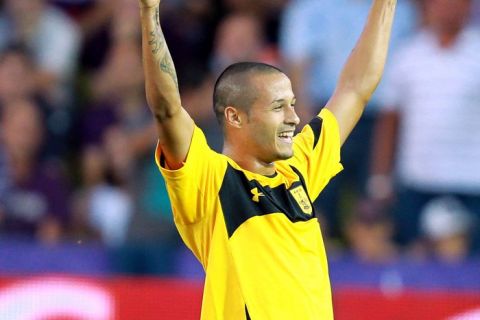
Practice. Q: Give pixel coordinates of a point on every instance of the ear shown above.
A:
(233, 117)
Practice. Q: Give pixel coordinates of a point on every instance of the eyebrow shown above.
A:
(294, 99)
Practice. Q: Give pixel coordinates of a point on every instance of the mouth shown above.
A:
(286, 136)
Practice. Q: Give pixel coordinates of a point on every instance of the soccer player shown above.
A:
(247, 213)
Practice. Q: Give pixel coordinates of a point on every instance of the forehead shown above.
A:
(272, 86)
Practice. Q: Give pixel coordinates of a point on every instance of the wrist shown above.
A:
(147, 8)
(147, 12)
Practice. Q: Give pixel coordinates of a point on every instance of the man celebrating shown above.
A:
(247, 213)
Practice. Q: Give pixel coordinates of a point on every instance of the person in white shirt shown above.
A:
(429, 129)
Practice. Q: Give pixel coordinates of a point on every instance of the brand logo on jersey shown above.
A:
(301, 197)
(256, 194)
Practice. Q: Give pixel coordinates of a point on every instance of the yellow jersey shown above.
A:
(258, 237)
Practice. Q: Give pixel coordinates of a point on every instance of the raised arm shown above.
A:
(175, 127)
(364, 68)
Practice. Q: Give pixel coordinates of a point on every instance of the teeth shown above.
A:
(286, 135)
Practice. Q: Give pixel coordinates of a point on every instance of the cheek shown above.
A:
(265, 134)
(262, 129)
(256, 138)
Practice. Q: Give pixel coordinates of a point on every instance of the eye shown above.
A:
(278, 108)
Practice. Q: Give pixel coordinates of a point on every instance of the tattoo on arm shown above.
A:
(157, 16)
(155, 43)
(160, 51)
(166, 65)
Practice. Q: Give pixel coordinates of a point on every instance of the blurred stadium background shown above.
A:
(85, 224)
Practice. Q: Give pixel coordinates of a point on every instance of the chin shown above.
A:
(285, 155)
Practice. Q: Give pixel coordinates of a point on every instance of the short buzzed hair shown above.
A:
(234, 87)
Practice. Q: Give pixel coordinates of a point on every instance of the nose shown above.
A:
(291, 117)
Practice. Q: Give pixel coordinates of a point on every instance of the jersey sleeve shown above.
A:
(317, 152)
(193, 187)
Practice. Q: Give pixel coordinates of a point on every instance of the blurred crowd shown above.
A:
(77, 138)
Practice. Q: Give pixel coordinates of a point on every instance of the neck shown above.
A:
(249, 162)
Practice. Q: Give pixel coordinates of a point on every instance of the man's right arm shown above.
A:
(175, 127)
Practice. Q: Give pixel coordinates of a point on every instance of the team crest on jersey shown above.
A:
(301, 197)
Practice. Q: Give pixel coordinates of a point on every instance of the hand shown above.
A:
(149, 3)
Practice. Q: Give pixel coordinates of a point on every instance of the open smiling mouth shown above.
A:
(286, 136)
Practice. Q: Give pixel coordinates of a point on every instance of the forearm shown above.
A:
(161, 82)
(365, 65)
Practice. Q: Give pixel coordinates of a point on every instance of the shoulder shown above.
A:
(200, 157)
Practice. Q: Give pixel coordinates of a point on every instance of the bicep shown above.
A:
(174, 135)
(347, 107)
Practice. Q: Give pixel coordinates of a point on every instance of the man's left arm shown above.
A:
(363, 69)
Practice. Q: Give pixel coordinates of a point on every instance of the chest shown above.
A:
(242, 199)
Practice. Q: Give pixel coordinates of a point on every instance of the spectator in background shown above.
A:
(189, 24)
(432, 108)
(372, 257)
(51, 36)
(369, 232)
(17, 82)
(268, 11)
(190, 27)
(118, 99)
(446, 227)
(122, 198)
(116, 132)
(36, 201)
(103, 206)
(125, 22)
(92, 173)
(17, 73)
(103, 23)
(50, 40)
(239, 37)
(315, 39)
